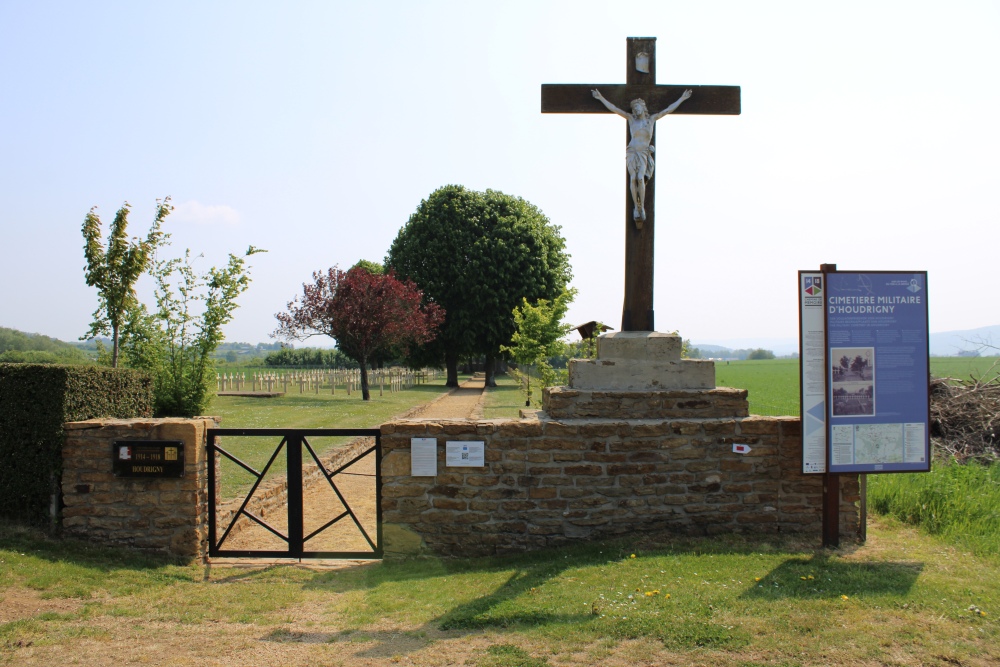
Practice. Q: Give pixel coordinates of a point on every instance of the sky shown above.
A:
(868, 138)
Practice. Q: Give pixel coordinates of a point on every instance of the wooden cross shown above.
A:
(637, 311)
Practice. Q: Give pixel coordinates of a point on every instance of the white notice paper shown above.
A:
(470, 454)
(423, 457)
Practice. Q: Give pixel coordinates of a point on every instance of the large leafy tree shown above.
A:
(114, 269)
(478, 255)
(366, 313)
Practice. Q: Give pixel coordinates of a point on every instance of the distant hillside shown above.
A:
(949, 343)
(20, 347)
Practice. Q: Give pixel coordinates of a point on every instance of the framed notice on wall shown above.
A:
(877, 371)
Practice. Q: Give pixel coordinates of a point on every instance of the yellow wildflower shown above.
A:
(844, 597)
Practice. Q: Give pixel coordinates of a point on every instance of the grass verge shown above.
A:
(902, 599)
(957, 502)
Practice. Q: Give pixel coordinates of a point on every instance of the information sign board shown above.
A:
(812, 372)
(465, 454)
(423, 457)
(147, 458)
(877, 371)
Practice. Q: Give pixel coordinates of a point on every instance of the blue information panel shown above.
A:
(878, 407)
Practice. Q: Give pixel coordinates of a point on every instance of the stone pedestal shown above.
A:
(641, 361)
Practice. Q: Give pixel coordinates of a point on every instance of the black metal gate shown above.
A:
(294, 442)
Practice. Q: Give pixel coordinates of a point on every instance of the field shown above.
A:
(773, 384)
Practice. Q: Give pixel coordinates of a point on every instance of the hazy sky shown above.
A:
(868, 139)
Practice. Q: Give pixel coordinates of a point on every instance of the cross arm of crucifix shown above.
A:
(579, 98)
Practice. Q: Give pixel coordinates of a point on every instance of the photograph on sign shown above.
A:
(812, 372)
(877, 371)
(853, 381)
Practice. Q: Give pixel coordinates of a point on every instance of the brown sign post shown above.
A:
(637, 311)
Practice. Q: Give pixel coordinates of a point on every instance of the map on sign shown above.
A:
(878, 443)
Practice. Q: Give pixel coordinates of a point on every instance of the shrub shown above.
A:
(35, 402)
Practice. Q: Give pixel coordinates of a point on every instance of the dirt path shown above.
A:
(466, 402)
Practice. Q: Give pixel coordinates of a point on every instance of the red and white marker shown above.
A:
(741, 449)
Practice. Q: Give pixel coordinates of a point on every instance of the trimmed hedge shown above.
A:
(35, 401)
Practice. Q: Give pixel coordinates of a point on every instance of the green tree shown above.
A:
(538, 333)
(477, 255)
(114, 269)
(371, 267)
(760, 353)
(176, 343)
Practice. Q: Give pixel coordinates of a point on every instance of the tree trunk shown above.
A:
(490, 369)
(365, 394)
(114, 346)
(451, 363)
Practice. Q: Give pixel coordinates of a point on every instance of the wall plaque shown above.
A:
(147, 458)
(465, 454)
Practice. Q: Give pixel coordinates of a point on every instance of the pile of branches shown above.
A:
(965, 418)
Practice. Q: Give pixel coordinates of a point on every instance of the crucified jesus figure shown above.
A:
(639, 153)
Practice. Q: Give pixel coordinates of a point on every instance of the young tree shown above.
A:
(114, 270)
(175, 344)
(364, 312)
(538, 330)
(477, 255)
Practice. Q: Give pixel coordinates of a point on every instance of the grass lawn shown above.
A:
(505, 400)
(902, 599)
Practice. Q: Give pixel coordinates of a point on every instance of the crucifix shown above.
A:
(639, 93)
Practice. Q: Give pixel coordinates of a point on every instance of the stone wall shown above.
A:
(168, 515)
(549, 481)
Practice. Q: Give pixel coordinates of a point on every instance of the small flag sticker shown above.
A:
(741, 449)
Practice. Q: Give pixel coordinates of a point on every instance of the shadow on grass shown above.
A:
(823, 577)
(506, 608)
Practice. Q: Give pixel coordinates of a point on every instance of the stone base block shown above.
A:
(572, 403)
(640, 346)
(638, 375)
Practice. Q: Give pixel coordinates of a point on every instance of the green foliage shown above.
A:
(759, 354)
(959, 502)
(19, 347)
(689, 352)
(176, 344)
(35, 402)
(477, 255)
(309, 357)
(371, 267)
(114, 269)
(538, 335)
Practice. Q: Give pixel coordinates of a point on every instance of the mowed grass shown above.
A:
(301, 411)
(505, 401)
(902, 599)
